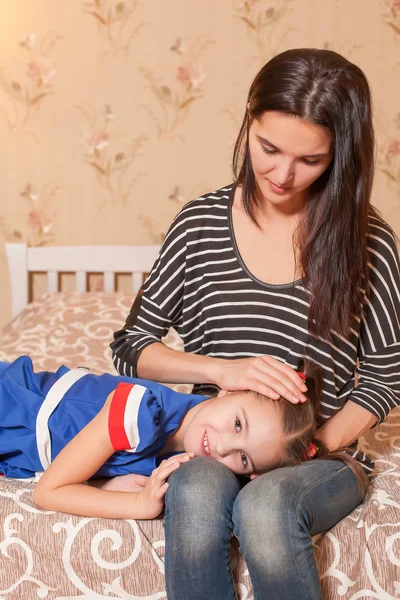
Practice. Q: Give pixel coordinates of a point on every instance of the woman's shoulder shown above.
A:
(207, 210)
(381, 239)
(378, 228)
(210, 203)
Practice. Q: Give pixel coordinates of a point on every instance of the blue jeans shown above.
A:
(273, 517)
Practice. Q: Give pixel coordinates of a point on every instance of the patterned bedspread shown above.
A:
(56, 556)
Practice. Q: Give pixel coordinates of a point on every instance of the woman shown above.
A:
(289, 261)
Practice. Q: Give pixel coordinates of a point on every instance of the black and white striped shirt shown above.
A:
(200, 285)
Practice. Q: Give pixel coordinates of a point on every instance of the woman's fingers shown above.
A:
(288, 371)
(275, 382)
(263, 374)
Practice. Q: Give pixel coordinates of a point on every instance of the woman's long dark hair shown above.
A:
(323, 88)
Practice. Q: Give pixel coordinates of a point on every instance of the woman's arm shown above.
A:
(350, 423)
(262, 374)
(63, 486)
(378, 389)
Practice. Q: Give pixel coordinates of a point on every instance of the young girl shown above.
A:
(78, 425)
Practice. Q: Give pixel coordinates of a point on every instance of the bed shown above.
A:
(55, 556)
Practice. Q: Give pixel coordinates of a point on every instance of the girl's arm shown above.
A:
(63, 486)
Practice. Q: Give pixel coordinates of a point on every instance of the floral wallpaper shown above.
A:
(115, 113)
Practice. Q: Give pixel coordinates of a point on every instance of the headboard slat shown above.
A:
(109, 281)
(81, 281)
(52, 281)
(137, 280)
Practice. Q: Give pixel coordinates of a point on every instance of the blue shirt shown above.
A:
(143, 414)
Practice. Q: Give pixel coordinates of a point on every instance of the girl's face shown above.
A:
(238, 430)
(288, 154)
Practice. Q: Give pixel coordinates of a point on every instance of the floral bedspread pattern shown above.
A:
(62, 557)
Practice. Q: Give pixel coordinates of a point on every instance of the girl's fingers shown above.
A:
(159, 495)
(141, 480)
(164, 470)
(184, 457)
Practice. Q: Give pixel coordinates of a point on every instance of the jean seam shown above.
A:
(303, 493)
(230, 561)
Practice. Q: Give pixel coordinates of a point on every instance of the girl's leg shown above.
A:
(275, 516)
(198, 530)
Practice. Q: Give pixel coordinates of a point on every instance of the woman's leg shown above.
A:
(198, 530)
(275, 516)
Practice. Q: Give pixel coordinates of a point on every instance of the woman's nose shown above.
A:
(284, 173)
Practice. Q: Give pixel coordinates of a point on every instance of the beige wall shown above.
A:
(114, 113)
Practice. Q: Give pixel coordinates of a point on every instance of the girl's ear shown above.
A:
(222, 393)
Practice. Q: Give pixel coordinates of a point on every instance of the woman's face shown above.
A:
(288, 154)
(238, 430)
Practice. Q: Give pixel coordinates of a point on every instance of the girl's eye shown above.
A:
(244, 459)
(268, 151)
(238, 425)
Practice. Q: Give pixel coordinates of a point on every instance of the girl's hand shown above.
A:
(262, 374)
(132, 482)
(156, 486)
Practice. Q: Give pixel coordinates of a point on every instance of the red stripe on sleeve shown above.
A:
(118, 437)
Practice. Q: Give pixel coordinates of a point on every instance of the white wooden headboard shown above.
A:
(80, 260)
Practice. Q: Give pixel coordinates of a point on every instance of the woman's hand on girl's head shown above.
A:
(262, 374)
(156, 485)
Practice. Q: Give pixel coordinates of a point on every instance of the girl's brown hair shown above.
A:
(323, 88)
(301, 421)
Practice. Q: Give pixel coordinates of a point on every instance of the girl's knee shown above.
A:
(202, 484)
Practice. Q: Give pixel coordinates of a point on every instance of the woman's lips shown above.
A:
(278, 190)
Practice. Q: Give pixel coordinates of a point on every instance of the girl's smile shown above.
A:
(204, 446)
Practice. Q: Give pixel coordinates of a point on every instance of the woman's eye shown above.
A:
(244, 459)
(310, 163)
(268, 151)
(238, 425)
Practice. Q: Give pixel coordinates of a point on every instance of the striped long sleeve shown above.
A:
(158, 304)
(378, 387)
